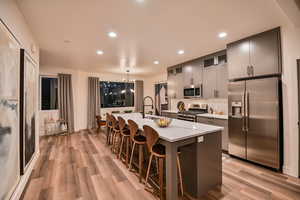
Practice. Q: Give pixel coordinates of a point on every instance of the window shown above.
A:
(116, 94)
(49, 88)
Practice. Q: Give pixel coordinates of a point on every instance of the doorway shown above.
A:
(298, 74)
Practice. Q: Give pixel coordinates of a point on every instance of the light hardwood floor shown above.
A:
(82, 167)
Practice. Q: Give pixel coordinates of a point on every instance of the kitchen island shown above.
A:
(200, 146)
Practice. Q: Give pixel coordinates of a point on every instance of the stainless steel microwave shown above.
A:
(192, 92)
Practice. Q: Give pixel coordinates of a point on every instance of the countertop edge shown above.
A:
(196, 135)
(210, 116)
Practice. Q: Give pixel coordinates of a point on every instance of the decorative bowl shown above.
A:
(163, 122)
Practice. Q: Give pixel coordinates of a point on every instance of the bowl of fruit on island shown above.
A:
(163, 122)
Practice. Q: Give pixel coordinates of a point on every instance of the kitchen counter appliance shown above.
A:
(193, 92)
(254, 120)
(192, 112)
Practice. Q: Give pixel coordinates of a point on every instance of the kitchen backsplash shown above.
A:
(218, 105)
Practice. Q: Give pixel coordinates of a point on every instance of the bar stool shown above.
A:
(139, 140)
(158, 151)
(109, 129)
(100, 122)
(125, 135)
(115, 133)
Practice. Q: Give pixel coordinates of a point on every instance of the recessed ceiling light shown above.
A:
(112, 34)
(140, 1)
(99, 52)
(222, 35)
(180, 52)
(156, 62)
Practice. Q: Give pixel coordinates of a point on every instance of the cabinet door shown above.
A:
(198, 74)
(238, 59)
(224, 124)
(264, 53)
(222, 81)
(209, 82)
(187, 75)
(179, 86)
(171, 87)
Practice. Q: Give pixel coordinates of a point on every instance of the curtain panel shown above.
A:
(66, 107)
(93, 101)
(138, 95)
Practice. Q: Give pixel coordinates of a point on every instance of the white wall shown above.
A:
(290, 52)
(13, 18)
(80, 93)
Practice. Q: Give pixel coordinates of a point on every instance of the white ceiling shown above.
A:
(147, 30)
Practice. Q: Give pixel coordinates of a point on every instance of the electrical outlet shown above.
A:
(200, 139)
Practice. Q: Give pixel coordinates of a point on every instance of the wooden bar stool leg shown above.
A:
(140, 161)
(156, 162)
(127, 150)
(121, 147)
(148, 170)
(112, 139)
(112, 136)
(131, 157)
(180, 175)
(161, 178)
(114, 142)
(107, 135)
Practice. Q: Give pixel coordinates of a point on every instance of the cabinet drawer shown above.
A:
(169, 115)
(205, 120)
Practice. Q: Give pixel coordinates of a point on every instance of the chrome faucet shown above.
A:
(152, 103)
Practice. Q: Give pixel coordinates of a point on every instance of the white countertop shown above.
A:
(207, 115)
(178, 129)
(216, 116)
(170, 111)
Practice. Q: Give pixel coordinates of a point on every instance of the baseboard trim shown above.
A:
(290, 170)
(24, 179)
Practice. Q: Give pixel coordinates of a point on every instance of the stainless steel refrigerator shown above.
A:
(254, 120)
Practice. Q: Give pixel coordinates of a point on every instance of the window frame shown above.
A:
(99, 85)
(40, 92)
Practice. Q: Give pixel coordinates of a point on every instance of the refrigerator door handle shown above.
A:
(247, 112)
(243, 113)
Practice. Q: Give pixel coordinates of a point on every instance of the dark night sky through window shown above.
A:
(116, 94)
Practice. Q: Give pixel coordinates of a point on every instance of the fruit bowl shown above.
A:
(163, 122)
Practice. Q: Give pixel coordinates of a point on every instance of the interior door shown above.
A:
(238, 59)
(262, 110)
(237, 137)
(264, 53)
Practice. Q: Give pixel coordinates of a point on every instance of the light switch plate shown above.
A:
(200, 139)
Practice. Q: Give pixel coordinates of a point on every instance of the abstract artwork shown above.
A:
(9, 113)
(9, 142)
(9, 66)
